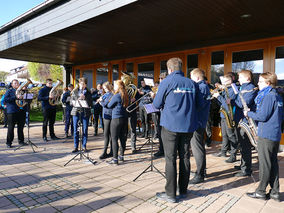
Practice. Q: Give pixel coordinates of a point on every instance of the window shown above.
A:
(249, 60)
(163, 66)
(88, 74)
(192, 63)
(129, 68)
(217, 66)
(102, 75)
(77, 75)
(279, 65)
(145, 70)
(115, 69)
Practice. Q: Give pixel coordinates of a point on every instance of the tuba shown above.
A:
(55, 93)
(19, 91)
(128, 81)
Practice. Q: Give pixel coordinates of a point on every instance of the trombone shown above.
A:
(135, 103)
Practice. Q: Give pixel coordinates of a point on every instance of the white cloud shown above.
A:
(7, 64)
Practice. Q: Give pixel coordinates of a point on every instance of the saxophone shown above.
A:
(228, 114)
(249, 128)
(55, 93)
(19, 91)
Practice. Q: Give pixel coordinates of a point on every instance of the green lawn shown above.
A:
(36, 115)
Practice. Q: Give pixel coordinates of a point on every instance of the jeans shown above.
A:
(84, 132)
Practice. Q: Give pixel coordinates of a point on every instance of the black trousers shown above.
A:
(156, 119)
(208, 128)
(132, 119)
(118, 131)
(229, 138)
(13, 119)
(97, 114)
(198, 150)
(48, 118)
(5, 117)
(268, 166)
(245, 151)
(107, 136)
(176, 143)
(145, 120)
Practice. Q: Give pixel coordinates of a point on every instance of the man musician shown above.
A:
(15, 114)
(48, 111)
(68, 117)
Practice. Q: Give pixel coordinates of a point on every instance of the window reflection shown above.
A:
(217, 66)
(89, 75)
(248, 60)
(279, 65)
(163, 66)
(192, 63)
(115, 68)
(102, 75)
(145, 70)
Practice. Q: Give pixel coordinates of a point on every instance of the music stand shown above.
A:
(150, 109)
(28, 97)
(81, 104)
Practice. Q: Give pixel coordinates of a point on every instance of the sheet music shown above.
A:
(80, 103)
(150, 108)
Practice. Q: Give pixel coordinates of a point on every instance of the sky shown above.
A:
(9, 10)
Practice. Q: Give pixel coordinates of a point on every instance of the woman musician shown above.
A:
(81, 93)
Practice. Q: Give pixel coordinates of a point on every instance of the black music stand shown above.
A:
(81, 104)
(150, 109)
(28, 97)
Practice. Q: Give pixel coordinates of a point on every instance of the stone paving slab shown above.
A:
(39, 182)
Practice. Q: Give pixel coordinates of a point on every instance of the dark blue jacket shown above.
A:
(248, 97)
(269, 116)
(118, 111)
(178, 97)
(10, 101)
(95, 96)
(43, 96)
(222, 100)
(203, 112)
(105, 99)
(65, 101)
(147, 99)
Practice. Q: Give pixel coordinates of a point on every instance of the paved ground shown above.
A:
(39, 182)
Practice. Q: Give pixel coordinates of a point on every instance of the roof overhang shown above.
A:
(78, 32)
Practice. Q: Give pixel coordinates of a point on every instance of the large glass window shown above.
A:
(248, 60)
(145, 70)
(129, 68)
(192, 63)
(102, 75)
(217, 66)
(77, 75)
(163, 66)
(279, 65)
(115, 69)
(89, 75)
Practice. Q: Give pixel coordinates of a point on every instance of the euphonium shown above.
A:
(130, 87)
(55, 93)
(19, 91)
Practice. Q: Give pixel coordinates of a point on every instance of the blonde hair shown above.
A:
(198, 72)
(246, 73)
(174, 64)
(269, 78)
(108, 85)
(123, 93)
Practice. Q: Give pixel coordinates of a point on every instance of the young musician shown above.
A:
(197, 141)
(229, 136)
(15, 115)
(81, 113)
(118, 104)
(97, 108)
(48, 111)
(178, 97)
(104, 100)
(269, 115)
(145, 118)
(248, 93)
(68, 108)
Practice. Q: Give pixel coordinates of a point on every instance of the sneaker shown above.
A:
(23, 144)
(45, 139)
(75, 150)
(9, 146)
(275, 196)
(165, 197)
(54, 138)
(85, 149)
(237, 167)
(232, 159)
(113, 162)
(242, 174)
(120, 158)
(196, 179)
(133, 151)
(103, 156)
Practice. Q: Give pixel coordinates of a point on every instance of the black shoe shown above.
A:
(231, 159)
(109, 155)
(275, 197)
(113, 162)
(220, 154)
(182, 196)
(54, 138)
(237, 167)
(142, 136)
(9, 146)
(5, 126)
(165, 197)
(133, 151)
(197, 179)
(85, 149)
(45, 139)
(256, 195)
(159, 154)
(242, 174)
(66, 135)
(103, 156)
(75, 150)
(121, 158)
(23, 144)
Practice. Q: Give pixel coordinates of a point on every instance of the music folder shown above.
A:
(80, 103)
(150, 108)
(28, 96)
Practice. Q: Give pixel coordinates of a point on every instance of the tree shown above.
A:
(3, 75)
(40, 72)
